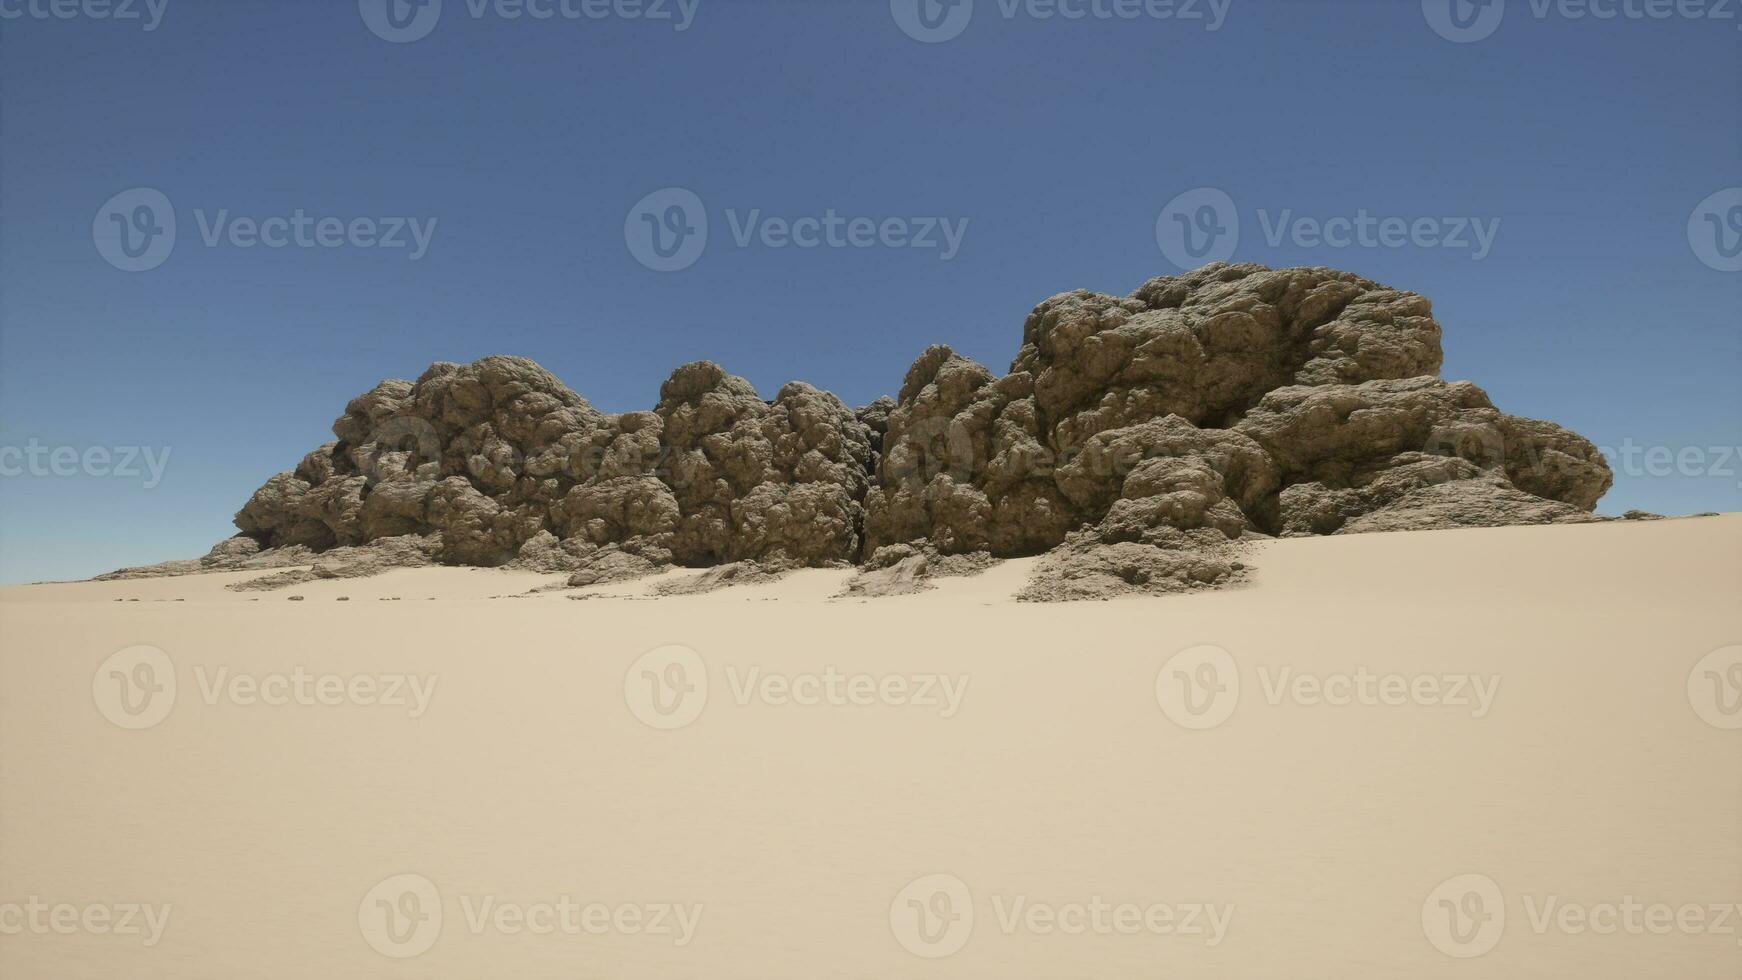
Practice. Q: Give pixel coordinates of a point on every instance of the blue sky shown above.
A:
(1580, 146)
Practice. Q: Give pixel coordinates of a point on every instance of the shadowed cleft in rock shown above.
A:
(1135, 441)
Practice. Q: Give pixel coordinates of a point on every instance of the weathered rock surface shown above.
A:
(234, 554)
(1087, 566)
(1465, 503)
(903, 569)
(1136, 441)
(723, 576)
(349, 561)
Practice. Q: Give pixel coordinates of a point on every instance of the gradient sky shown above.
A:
(1591, 141)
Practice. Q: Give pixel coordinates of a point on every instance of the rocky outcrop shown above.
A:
(1481, 502)
(964, 463)
(902, 569)
(235, 554)
(1088, 566)
(780, 481)
(735, 573)
(348, 561)
(1136, 441)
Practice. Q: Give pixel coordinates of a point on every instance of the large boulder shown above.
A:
(965, 463)
(1207, 345)
(754, 480)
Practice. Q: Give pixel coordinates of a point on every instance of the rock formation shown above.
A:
(1135, 441)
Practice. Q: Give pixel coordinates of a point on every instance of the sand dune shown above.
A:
(1472, 753)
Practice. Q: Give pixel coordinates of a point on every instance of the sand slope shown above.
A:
(998, 789)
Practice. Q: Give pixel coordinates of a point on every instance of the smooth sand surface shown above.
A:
(1531, 769)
